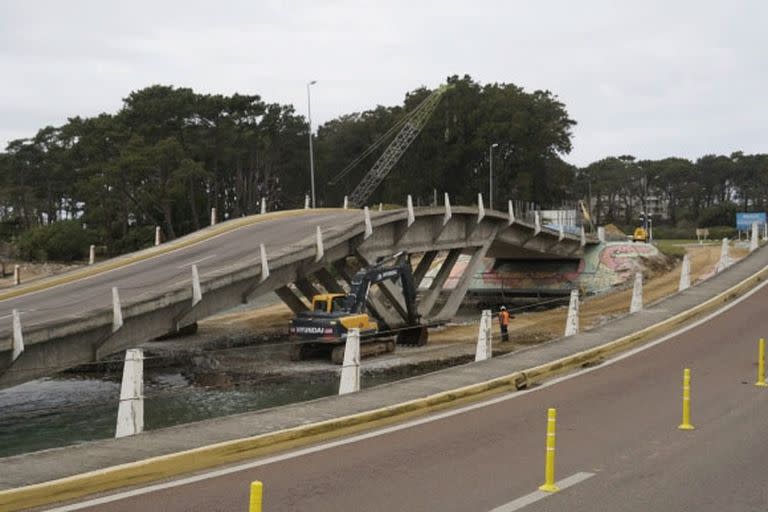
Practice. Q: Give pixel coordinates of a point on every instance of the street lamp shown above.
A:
(490, 182)
(311, 153)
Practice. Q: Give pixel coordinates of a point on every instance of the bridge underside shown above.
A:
(295, 273)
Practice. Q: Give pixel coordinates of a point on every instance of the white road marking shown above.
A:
(535, 496)
(189, 264)
(21, 313)
(402, 426)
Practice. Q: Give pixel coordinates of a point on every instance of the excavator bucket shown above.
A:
(416, 336)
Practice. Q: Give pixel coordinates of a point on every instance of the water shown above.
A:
(60, 411)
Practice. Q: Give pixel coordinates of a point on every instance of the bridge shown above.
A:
(85, 315)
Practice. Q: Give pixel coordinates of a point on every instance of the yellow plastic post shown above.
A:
(256, 494)
(549, 470)
(761, 364)
(686, 424)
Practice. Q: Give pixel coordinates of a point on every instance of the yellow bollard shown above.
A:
(686, 424)
(761, 364)
(256, 494)
(549, 471)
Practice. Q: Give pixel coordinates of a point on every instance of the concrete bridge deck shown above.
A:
(70, 320)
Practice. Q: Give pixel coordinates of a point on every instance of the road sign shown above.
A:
(744, 220)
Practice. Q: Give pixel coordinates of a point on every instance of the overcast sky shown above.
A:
(655, 79)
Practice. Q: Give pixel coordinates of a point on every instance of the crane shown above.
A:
(410, 127)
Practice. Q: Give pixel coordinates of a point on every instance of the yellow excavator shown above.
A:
(333, 314)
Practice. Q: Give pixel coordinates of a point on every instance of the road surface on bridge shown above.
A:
(167, 269)
(617, 421)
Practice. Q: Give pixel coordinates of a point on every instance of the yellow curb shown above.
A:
(166, 466)
(152, 252)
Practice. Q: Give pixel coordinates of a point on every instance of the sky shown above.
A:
(650, 79)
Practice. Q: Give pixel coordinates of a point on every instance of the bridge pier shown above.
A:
(436, 288)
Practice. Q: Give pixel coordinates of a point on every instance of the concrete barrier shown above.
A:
(572, 321)
(484, 348)
(130, 413)
(636, 304)
(685, 274)
(350, 369)
(18, 336)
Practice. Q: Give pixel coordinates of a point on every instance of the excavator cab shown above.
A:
(329, 302)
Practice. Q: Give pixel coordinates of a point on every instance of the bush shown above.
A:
(59, 241)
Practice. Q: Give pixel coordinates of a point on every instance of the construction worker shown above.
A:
(504, 323)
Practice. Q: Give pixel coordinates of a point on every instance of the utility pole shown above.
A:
(490, 181)
(311, 153)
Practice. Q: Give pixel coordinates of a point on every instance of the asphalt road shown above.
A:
(618, 421)
(167, 270)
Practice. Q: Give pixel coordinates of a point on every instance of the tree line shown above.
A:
(170, 154)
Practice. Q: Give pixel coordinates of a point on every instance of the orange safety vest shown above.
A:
(504, 318)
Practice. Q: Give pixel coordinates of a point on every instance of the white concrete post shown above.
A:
(263, 205)
(601, 233)
(753, 242)
(350, 370)
(484, 348)
(264, 263)
(18, 337)
(725, 260)
(306, 202)
(511, 210)
(130, 413)
(572, 322)
(561, 233)
(448, 212)
(92, 254)
(346, 202)
(583, 237)
(214, 218)
(117, 311)
(157, 236)
(480, 208)
(320, 252)
(685, 274)
(16, 275)
(637, 294)
(765, 231)
(368, 225)
(411, 214)
(381, 207)
(197, 291)
(536, 223)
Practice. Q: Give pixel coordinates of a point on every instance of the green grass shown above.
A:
(673, 247)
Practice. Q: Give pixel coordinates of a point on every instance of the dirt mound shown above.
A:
(613, 233)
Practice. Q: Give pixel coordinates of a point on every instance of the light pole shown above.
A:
(490, 181)
(311, 153)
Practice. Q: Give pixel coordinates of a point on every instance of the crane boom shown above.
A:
(411, 129)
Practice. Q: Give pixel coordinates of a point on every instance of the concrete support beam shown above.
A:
(306, 287)
(350, 369)
(328, 282)
(536, 223)
(484, 348)
(572, 321)
(130, 413)
(637, 294)
(264, 263)
(443, 273)
(457, 294)
(448, 213)
(375, 305)
(423, 267)
(18, 337)
(511, 213)
(291, 300)
(391, 291)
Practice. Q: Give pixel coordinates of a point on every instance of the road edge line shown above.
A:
(204, 457)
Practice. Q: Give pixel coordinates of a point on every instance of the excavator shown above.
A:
(333, 314)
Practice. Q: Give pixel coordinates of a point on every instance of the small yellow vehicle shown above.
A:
(640, 235)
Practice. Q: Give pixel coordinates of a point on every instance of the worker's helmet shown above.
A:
(503, 308)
